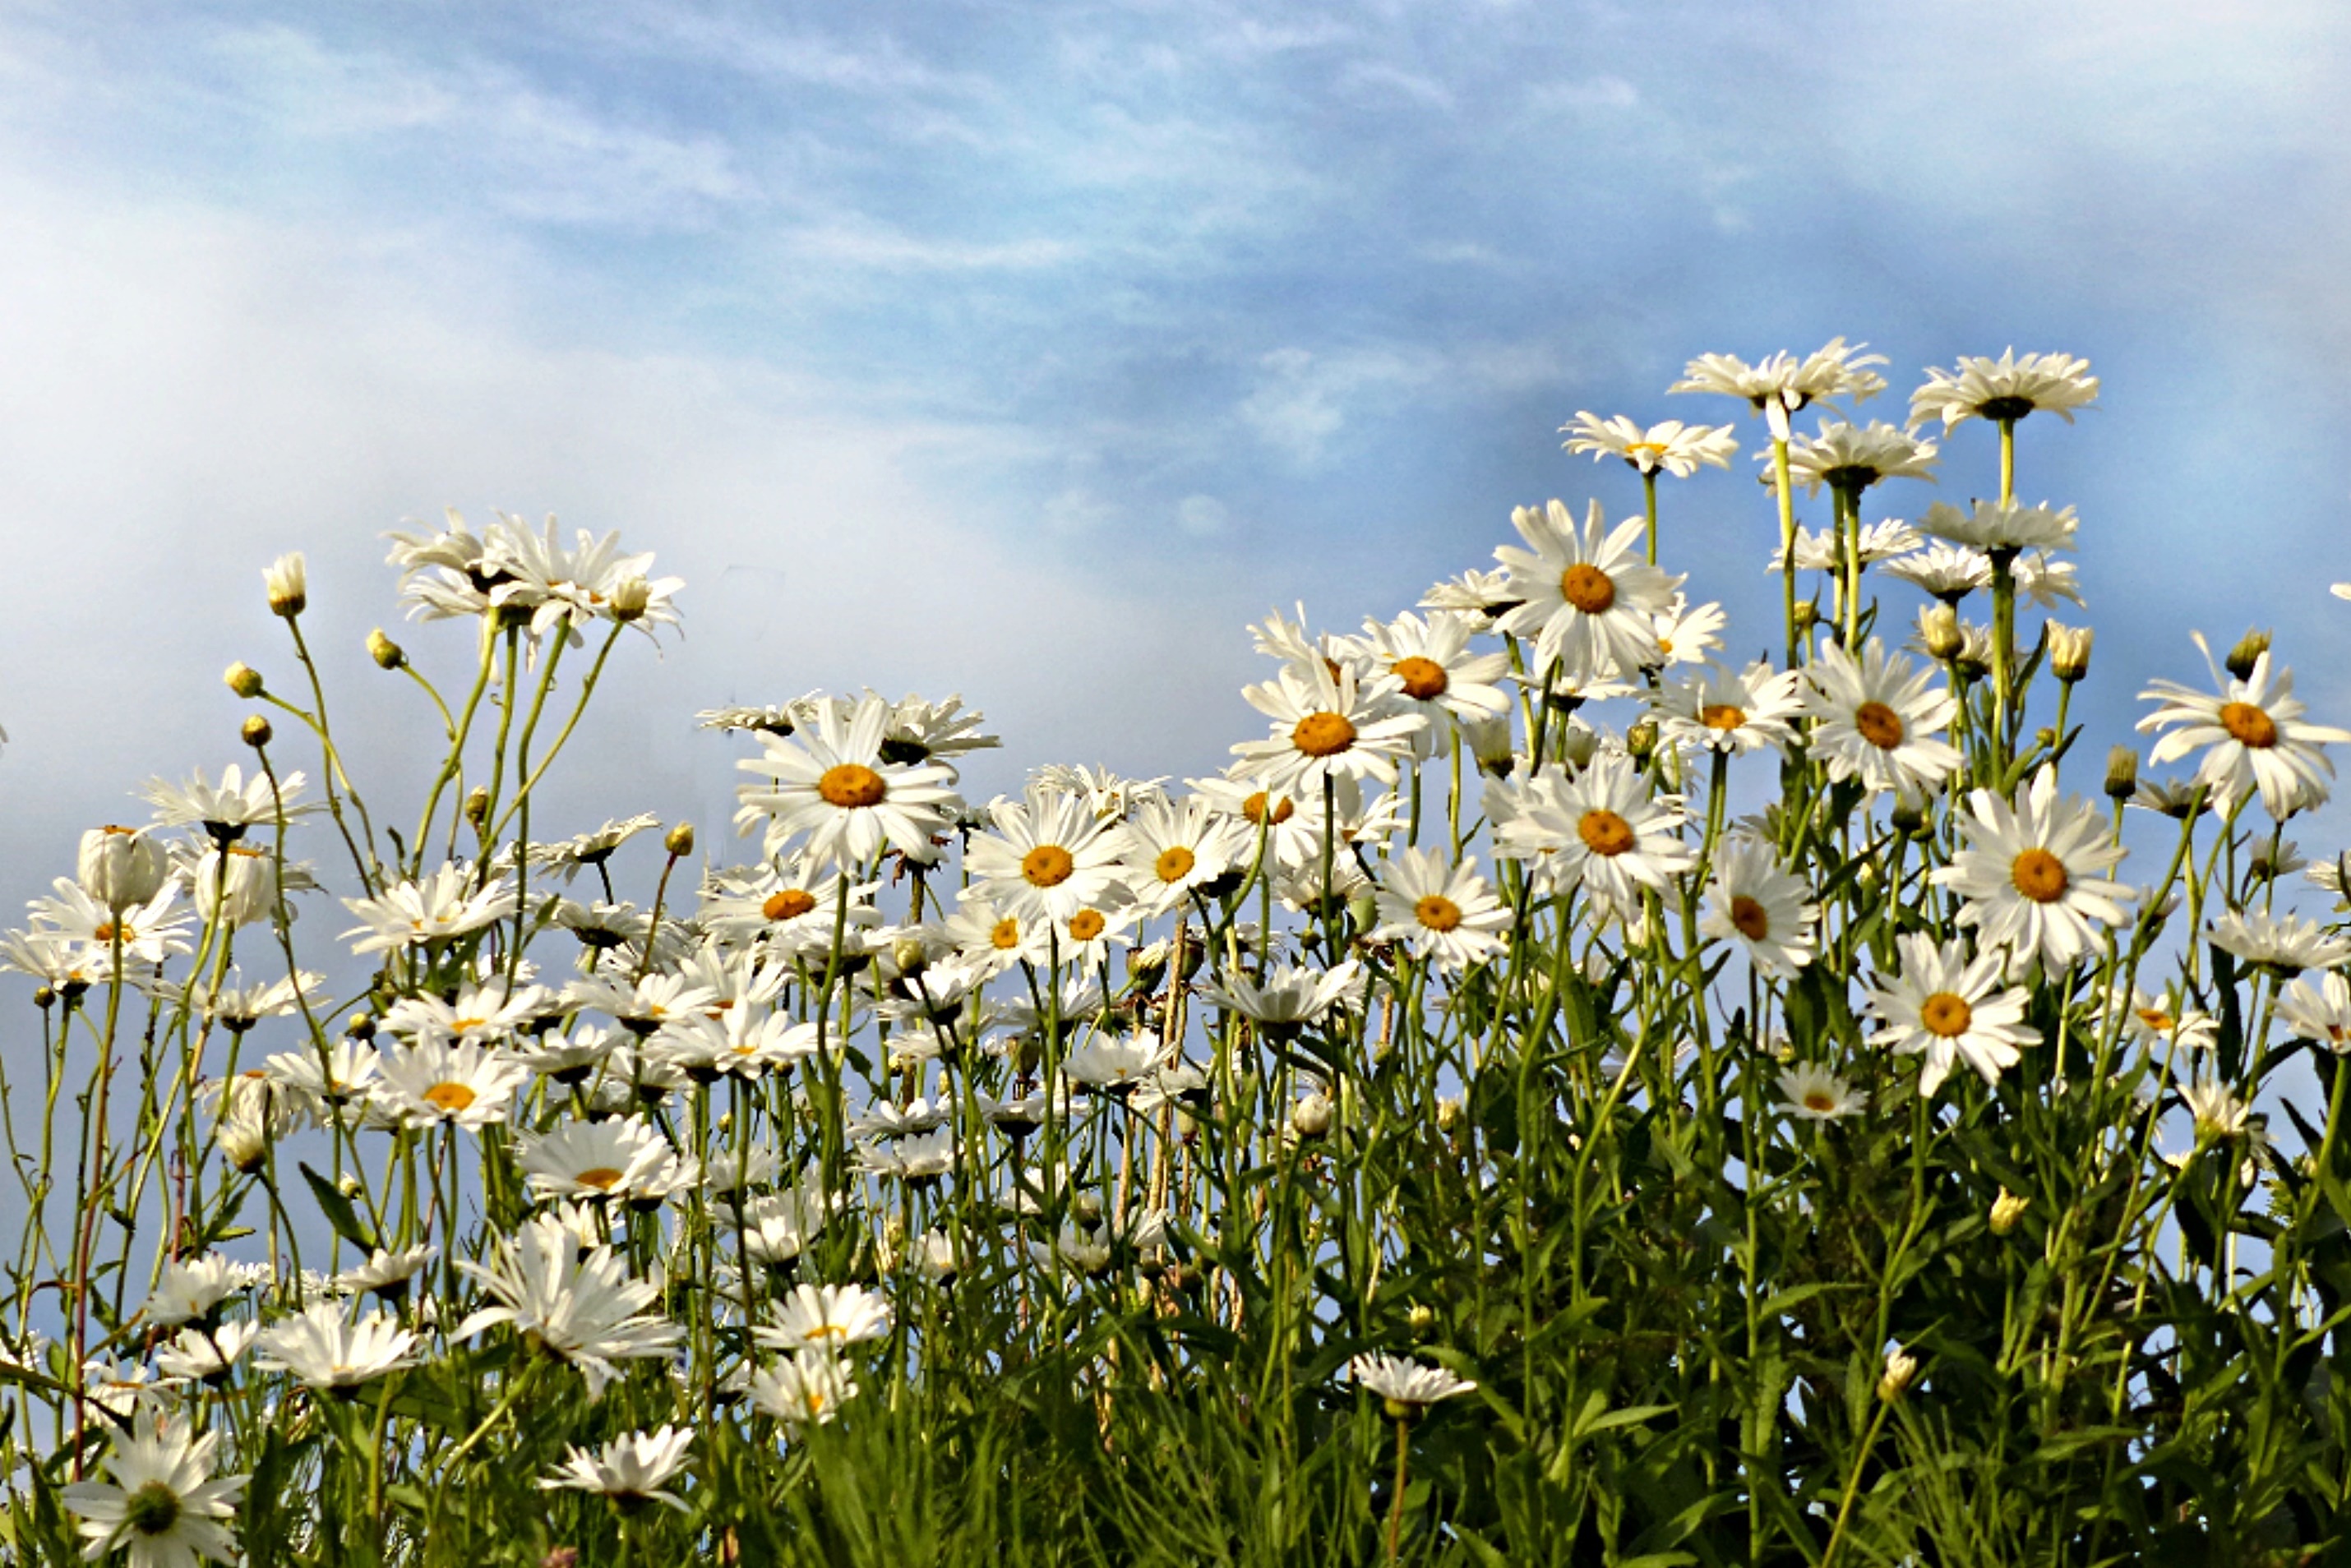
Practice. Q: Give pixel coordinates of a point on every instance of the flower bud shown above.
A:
(1449, 1112)
(119, 867)
(2247, 653)
(1908, 816)
(1421, 1319)
(288, 585)
(1938, 632)
(256, 731)
(2006, 1210)
(1578, 745)
(387, 654)
(1900, 1369)
(1309, 1114)
(477, 804)
(1641, 739)
(2069, 651)
(1808, 615)
(244, 679)
(630, 597)
(360, 1026)
(679, 840)
(241, 892)
(2121, 773)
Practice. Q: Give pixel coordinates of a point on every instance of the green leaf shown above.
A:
(339, 1213)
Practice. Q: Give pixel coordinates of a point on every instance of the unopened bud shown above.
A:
(1808, 615)
(1488, 741)
(244, 679)
(2121, 773)
(1938, 632)
(1421, 1318)
(1900, 1369)
(2247, 653)
(477, 804)
(1448, 1111)
(909, 956)
(2006, 1210)
(349, 1185)
(1641, 739)
(1908, 816)
(256, 731)
(1309, 1114)
(2069, 651)
(630, 597)
(679, 840)
(361, 1026)
(288, 585)
(387, 654)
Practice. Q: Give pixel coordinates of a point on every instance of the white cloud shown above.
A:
(1302, 399)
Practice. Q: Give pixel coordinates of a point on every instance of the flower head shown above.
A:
(1951, 1008)
(2255, 735)
(163, 1504)
(1586, 597)
(1672, 446)
(2005, 390)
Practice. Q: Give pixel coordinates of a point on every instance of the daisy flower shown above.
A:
(388, 1274)
(1749, 900)
(1723, 710)
(570, 856)
(2280, 943)
(1687, 633)
(2044, 583)
(200, 1354)
(1992, 527)
(1408, 1385)
(483, 1014)
(2005, 390)
(119, 867)
(325, 1349)
(226, 809)
(2217, 1113)
(1781, 384)
(1328, 726)
(621, 1157)
(825, 1317)
(1049, 858)
(1588, 599)
(809, 1390)
(2033, 875)
(791, 907)
(580, 1303)
(2158, 1022)
(1672, 446)
(1877, 717)
(833, 783)
(1948, 572)
(1813, 1093)
(436, 906)
(1441, 913)
(1603, 830)
(2255, 733)
(1850, 458)
(2322, 1013)
(1823, 549)
(632, 1470)
(1479, 597)
(1432, 662)
(1174, 847)
(146, 933)
(192, 1291)
(1290, 997)
(432, 1084)
(162, 1505)
(1949, 1008)
(774, 718)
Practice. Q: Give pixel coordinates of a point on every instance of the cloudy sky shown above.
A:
(1030, 351)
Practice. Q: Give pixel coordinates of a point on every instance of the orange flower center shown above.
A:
(2039, 875)
(1322, 734)
(1047, 866)
(451, 1096)
(1588, 589)
(852, 786)
(788, 904)
(1423, 678)
(1724, 716)
(1005, 935)
(2248, 725)
(1879, 726)
(1747, 917)
(1819, 1101)
(1437, 912)
(1946, 1015)
(1086, 925)
(1254, 809)
(1175, 863)
(1605, 833)
(602, 1178)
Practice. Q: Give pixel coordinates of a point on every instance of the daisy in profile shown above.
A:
(633, 1469)
(1604, 830)
(621, 1157)
(1749, 900)
(2033, 875)
(825, 1317)
(1823, 549)
(324, 1348)
(1588, 599)
(1878, 718)
(808, 1390)
(435, 907)
(1949, 1009)
(2005, 390)
(200, 1354)
(1441, 913)
(833, 784)
(580, 1303)
(1289, 997)
(1782, 384)
(1676, 448)
(226, 809)
(1329, 726)
(1049, 858)
(1813, 1093)
(1948, 572)
(2284, 943)
(2321, 1013)
(2253, 733)
(1850, 458)
(163, 1505)
(1997, 527)
(1733, 710)
(1407, 1386)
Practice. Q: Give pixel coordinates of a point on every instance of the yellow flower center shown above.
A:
(1605, 833)
(466, 1026)
(1723, 716)
(1047, 866)
(1819, 1101)
(1423, 678)
(1086, 925)
(1322, 734)
(1588, 589)
(788, 904)
(1879, 726)
(602, 1178)
(2248, 725)
(1748, 918)
(852, 786)
(104, 932)
(2157, 1019)
(1437, 912)
(1175, 863)
(2039, 875)
(1005, 935)
(1946, 1015)
(1254, 809)
(451, 1096)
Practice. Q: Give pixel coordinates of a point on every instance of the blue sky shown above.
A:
(1029, 351)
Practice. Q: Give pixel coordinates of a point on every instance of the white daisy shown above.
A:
(580, 1303)
(2322, 1013)
(1752, 901)
(2280, 943)
(833, 784)
(1949, 1008)
(1722, 710)
(1604, 831)
(1049, 858)
(163, 1506)
(620, 1158)
(1437, 673)
(326, 1349)
(435, 907)
(1672, 446)
(1407, 1385)
(1441, 913)
(1994, 527)
(1813, 1093)
(1588, 599)
(434, 1084)
(2005, 390)
(1329, 727)
(2256, 734)
(825, 1317)
(2034, 874)
(1877, 716)
(1850, 458)
(632, 1470)
(809, 1390)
